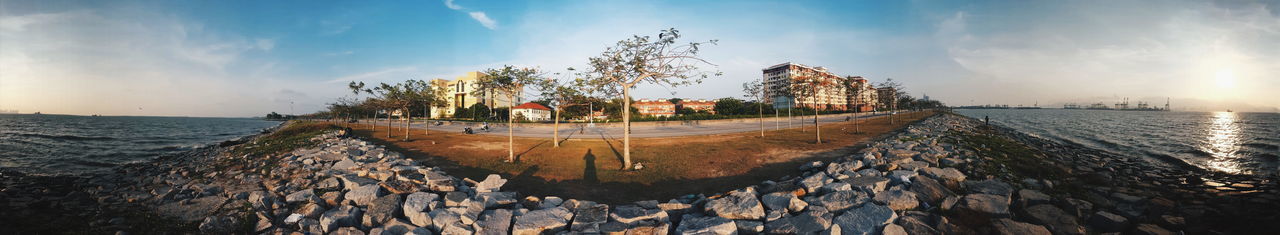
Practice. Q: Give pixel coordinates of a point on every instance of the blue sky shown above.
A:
(246, 58)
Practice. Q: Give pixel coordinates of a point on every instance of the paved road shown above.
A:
(583, 131)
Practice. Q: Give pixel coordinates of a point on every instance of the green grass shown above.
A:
(295, 135)
(1013, 161)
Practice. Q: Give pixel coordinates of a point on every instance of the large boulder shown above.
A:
(783, 201)
(634, 215)
(1055, 219)
(1103, 221)
(364, 195)
(740, 204)
(868, 218)
(839, 201)
(547, 221)
(416, 206)
(382, 210)
(950, 177)
(308, 195)
(587, 219)
(929, 190)
(342, 216)
(494, 222)
(491, 183)
(808, 222)
(1028, 197)
(990, 186)
(898, 200)
(813, 182)
(706, 225)
(869, 184)
(1010, 227)
(977, 209)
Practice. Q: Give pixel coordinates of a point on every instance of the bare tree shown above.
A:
(510, 81)
(810, 85)
(563, 94)
(643, 59)
(895, 88)
(755, 89)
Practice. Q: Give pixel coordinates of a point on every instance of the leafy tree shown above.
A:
(274, 116)
(729, 106)
(510, 81)
(755, 89)
(643, 59)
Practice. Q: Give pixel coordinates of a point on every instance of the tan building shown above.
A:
(865, 99)
(460, 95)
(778, 80)
(656, 108)
(704, 105)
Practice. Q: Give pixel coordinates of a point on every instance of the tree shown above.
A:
(755, 89)
(562, 95)
(854, 89)
(429, 95)
(397, 97)
(895, 89)
(385, 98)
(642, 59)
(809, 85)
(729, 106)
(510, 81)
(356, 89)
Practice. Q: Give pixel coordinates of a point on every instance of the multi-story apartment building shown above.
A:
(461, 95)
(779, 78)
(700, 104)
(863, 97)
(657, 108)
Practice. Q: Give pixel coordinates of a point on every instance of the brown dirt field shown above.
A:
(588, 169)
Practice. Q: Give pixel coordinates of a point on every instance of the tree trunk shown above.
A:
(388, 124)
(426, 112)
(791, 104)
(555, 130)
(626, 127)
(408, 123)
(760, 112)
(511, 139)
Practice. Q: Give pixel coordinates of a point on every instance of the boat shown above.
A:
(37, 113)
(1229, 111)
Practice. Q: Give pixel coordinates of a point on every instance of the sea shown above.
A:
(1230, 142)
(48, 144)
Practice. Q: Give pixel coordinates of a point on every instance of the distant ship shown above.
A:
(37, 113)
(8, 111)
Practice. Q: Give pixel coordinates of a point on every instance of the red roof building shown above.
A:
(657, 108)
(704, 105)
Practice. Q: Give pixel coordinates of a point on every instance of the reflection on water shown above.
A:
(1223, 142)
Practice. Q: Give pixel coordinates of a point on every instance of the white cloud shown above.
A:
(265, 44)
(484, 20)
(451, 5)
(382, 74)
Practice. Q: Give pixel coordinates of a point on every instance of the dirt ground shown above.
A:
(589, 169)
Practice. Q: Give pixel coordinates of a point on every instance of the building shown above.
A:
(656, 108)
(532, 112)
(704, 105)
(886, 96)
(461, 95)
(779, 78)
(863, 97)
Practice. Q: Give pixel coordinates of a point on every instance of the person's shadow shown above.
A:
(589, 173)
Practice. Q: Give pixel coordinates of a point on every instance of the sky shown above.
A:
(248, 58)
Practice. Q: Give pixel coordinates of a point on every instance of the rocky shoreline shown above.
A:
(947, 174)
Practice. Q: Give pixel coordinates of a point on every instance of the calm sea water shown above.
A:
(64, 144)
(1247, 143)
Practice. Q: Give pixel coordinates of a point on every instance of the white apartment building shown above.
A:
(778, 80)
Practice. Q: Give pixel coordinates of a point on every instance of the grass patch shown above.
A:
(1012, 161)
(295, 135)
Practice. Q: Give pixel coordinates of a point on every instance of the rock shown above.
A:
(869, 184)
(346, 164)
(307, 195)
(990, 186)
(893, 229)
(491, 183)
(1076, 207)
(977, 209)
(1027, 198)
(218, 225)
(950, 177)
(547, 221)
(1103, 221)
(342, 216)
(347, 231)
(1151, 229)
(494, 222)
(929, 190)
(813, 182)
(332, 198)
(837, 186)
(812, 221)
(1010, 227)
(1176, 222)
(293, 218)
(839, 201)
(706, 225)
(311, 210)
(843, 168)
(1054, 219)
(396, 226)
(492, 200)
(416, 205)
(810, 165)
(260, 200)
(740, 204)
(902, 176)
(310, 226)
(399, 186)
(553, 201)
(329, 183)
(916, 225)
(364, 195)
(382, 210)
(588, 219)
(783, 201)
(453, 199)
(868, 218)
(897, 200)
(748, 226)
(633, 215)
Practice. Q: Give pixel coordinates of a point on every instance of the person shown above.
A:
(467, 130)
(485, 127)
